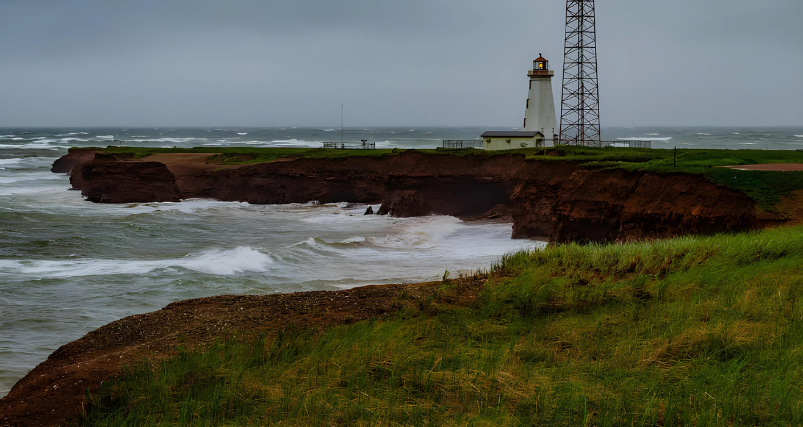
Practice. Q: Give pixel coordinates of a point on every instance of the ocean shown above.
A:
(68, 266)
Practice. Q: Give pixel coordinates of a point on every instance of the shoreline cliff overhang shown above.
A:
(560, 201)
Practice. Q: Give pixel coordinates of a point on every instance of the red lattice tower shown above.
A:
(579, 110)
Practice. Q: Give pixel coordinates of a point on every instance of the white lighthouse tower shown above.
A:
(540, 113)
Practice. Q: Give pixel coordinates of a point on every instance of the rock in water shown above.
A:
(369, 211)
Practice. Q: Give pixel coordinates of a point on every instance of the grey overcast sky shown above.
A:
(391, 62)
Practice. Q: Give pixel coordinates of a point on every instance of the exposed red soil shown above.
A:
(783, 167)
(55, 390)
(557, 201)
(791, 208)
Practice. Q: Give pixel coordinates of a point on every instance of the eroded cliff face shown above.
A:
(557, 201)
(617, 205)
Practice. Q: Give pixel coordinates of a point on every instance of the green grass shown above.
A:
(244, 155)
(688, 331)
(695, 161)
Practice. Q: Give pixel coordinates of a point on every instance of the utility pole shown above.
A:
(675, 158)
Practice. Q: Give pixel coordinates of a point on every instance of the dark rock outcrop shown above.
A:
(125, 182)
(65, 164)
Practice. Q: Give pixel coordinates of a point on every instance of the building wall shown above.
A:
(540, 111)
(515, 143)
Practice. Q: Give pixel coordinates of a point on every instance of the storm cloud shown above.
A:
(395, 63)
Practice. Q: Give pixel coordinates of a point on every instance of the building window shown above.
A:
(525, 122)
(528, 102)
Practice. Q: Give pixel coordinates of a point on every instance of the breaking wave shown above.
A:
(217, 262)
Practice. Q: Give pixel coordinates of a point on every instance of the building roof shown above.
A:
(511, 134)
(540, 59)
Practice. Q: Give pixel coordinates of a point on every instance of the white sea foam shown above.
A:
(10, 162)
(217, 262)
(798, 136)
(172, 140)
(17, 190)
(419, 233)
(105, 136)
(357, 239)
(294, 143)
(242, 133)
(33, 146)
(228, 262)
(30, 176)
(405, 233)
(59, 140)
(663, 139)
(188, 206)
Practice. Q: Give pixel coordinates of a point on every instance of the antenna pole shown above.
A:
(341, 123)
(579, 111)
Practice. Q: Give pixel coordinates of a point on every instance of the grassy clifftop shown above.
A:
(631, 158)
(765, 187)
(687, 331)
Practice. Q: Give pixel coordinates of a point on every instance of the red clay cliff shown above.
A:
(553, 200)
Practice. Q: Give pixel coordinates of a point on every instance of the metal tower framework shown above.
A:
(579, 110)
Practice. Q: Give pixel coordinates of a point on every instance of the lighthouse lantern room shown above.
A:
(540, 63)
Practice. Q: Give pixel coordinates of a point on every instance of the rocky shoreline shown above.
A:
(55, 390)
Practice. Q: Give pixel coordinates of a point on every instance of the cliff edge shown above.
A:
(559, 201)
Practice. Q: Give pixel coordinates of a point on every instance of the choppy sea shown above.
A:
(68, 266)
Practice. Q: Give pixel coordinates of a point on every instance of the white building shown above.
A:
(512, 139)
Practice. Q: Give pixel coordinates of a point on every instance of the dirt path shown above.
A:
(784, 167)
(186, 163)
(55, 390)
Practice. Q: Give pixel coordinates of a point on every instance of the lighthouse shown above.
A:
(540, 113)
(540, 125)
